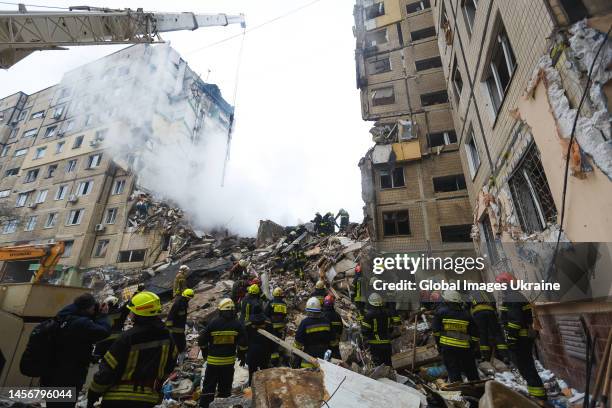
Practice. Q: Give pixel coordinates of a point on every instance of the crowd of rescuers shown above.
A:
(135, 363)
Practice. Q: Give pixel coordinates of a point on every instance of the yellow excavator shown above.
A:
(48, 255)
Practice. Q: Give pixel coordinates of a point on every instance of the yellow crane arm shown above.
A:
(47, 255)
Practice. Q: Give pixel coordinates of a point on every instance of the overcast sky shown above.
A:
(299, 133)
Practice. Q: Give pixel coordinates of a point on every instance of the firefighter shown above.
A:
(376, 329)
(329, 223)
(329, 312)
(344, 219)
(239, 269)
(239, 289)
(484, 313)
(251, 302)
(320, 291)
(297, 260)
(177, 318)
(318, 221)
(218, 342)
(133, 370)
(314, 333)
(117, 314)
(260, 347)
(180, 281)
(456, 336)
(517, 320)
(357, 293)
(276, 311)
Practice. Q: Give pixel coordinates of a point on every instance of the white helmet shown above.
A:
(452, 296)
(313, 305)
(243, 263)
(375, 300)
(184, 268)
(111, 300)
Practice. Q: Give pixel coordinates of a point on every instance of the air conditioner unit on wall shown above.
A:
(100, 227)
(73, 198)
(32, 205)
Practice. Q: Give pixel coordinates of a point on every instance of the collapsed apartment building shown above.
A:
(474, 103)
(73, 155)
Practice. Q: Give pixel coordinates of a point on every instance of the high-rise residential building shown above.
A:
(72, 155)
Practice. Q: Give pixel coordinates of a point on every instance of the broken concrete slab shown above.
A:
(268, 233)
(284, 387)
(406, 388)
(498, 395)
(424, 355)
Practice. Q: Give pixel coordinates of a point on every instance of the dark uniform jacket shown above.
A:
(136, 365)
(481, 300)
(356, 289)
(177, 316)
(453, 327)
(376, 325)
(336, 324)
(276, 310)
(219, 340)
(319, 294)
(250, 305)
(516, 315)
(116, 318)
(259, 346)
(313, 336)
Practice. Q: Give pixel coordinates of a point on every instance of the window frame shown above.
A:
(392, 175)
(29, 225)
(78, 212)
(108, 219)
(51, 220)
(472, 153)
(101, 248)
(396, 221)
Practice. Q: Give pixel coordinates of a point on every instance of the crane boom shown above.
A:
(23, 32)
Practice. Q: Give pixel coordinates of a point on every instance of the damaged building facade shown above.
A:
(515, 77)
(72, 155)
(413, 184)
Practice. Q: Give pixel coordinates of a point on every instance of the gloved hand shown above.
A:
(92, 398)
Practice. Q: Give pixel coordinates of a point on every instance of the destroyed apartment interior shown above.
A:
(138, 270)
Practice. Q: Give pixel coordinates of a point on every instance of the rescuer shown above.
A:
(376, 329)
(180, 281)
(238, 269)
(297, 260)
(260, 347)
(136, 365)
(320, 291)
(329, 312)
(117, 314)
(357, 293)
(484, 313)
(518, 324)
(276, 311)
(344, 219)
(314, 333)
(177, 318)
(218, 342)
(456, 336)
(251, 302)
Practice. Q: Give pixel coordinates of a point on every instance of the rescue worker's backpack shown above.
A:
(38, 355)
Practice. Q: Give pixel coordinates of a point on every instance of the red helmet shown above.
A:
(255, 281)
(358, 269)
(434, 296)
(329, 300)
(505, 277)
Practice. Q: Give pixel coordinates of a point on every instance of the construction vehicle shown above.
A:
(47, 256)
(23, 32)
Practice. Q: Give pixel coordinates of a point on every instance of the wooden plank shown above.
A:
(289, 347)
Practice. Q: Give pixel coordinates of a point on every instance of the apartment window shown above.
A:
(30, 133)
(78, 142)
(101, 247)
(441, 138)
(62, 190)
(418, 6)
(531, 194)
(50, 131)
(59, 147)
(75, 217)
(71, 165)
(118, 187)
(40, 152)
(383, 96)
(5, 151)
(89, 120)
(434, 98)
(375, 10)
(101, 134)
(468, 7)
(374, 38)
(94, 161)
(14, 132)
(10, 226)
(380, 66)
(132, 256)
(5, 193)
(69, 126)
(22, 115)
(396, 223)
(575, 10)
(444, 184)
(12, 172)
(31, 223)
(423, 33)
(20, 152)
(31, 175)
(456, 233)
(457, 80)
(41, 196)
(38, 115)
(22, 198)
(51, 220)
(111, 216)
(85, 187)
(68, 245)
(51, 170)
(428, 63)
(501, 67)
(471, 151)
(57, 112)
(392, 179)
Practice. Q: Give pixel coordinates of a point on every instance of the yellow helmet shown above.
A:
(226, 304)
(243, 263)
(277, 292)
(188, 293)
(254, 289)
(145, 304)
(320, 284)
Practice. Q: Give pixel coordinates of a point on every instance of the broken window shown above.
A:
(118, 187)
(71, 165)
(30, 133)
(41, 196)
(57, 112)
(50, 131)
(5, 193)
(418, 6)
(31, 223)
(14, 133)
(428, 63)
(423, 33)
(132, 256)
(376, 37)
(434, 98)
(12, 172)
(59, 147)
(78, 141)
(471, 151)
(40, 152)
(5, 151)
(38, 115)
(441, 138)
(74, 217)
(575, 10)
(531, 194)
(456, 233)
(51, 170)
(501, 67)
(85, 187)
(69, 126)
(68, 245)
(375, 10)
(20, 152)
(392, 179)
(444, 184)
(22, 198)
(94, 160)
(383, 96)
(111, 216)
(468, 7)
(62, 190)
(10, 226)
(490, 240)
(457, 81)
(22, 115)
(51, 220)
(380, 66)
(101, 247)
(31, 175)
(396, 223)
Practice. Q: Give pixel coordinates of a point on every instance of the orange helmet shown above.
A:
(358, 269)
(255, 281)
(329, 300)
(505, 277)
